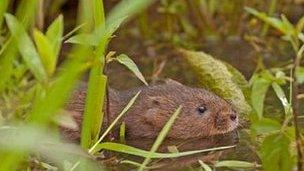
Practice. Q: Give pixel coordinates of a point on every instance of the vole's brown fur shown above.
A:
(156, 104)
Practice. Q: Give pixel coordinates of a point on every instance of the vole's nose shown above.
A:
(233, 116)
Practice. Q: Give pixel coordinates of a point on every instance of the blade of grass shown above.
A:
(46, 52)
(11, 160)
(99, 17)
(122, 133)
(93, 114)
(131, 102)
(128, 62)
(204, 166)
(161, 136)
(72, 32)
(236, 164)
(54, 34)
(281, 95)
(3, 8)
(9, 51)
(26, 12)
(121, 12)
(138, 164)
(122, 148)
(271, 10)
(42, 112)
(6, 63)
(259, 89)
(86, 16)
(26, 47)
(40, 140)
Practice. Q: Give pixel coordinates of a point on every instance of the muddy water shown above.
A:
(230, 139)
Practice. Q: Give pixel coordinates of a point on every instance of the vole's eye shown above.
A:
(201, 109)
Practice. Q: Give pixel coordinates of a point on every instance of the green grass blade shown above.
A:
(57, 94)
(26, 12)
(39, 140)
(11, 160)
(204, 166)
(84, 39)
(126, 61)
(85, 16)
(54, 34)
(6, 64)
(45, 51)
(122, 148)
(131, 102)
(259, 89)
(135, 164)
(282, 25)
(3, 7)
(9, 51)
(72, 31)
(93, 114)
(160, 137)
(26, 47)
(236, 164)
(281, 95)
(99, 17)
(122, 133)
(121, 12)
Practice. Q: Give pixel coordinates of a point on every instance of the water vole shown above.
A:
(203, 113)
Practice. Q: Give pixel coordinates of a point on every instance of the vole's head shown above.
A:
(203, 113)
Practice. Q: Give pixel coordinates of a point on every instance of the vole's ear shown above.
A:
(155, 115)
(172, 82)
(155, 118)
(155, 101)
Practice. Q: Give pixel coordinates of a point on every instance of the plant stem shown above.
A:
(271, 10)
(296, 109)
(40, 15)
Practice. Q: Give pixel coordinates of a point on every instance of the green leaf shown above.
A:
(281, 95)
(259, 89)
(3, 8)
(136, 164)
(7, 59)
(58, 92)
(282, 25)
(26, 12)
(84, 39)
(9, 50)
(275, 153)
(122, 132)
(99, 17)
(235, 164)
(215, 76)
(45, 51)
(204, 166)
(126, 61)
(93, 114)
(26, 47)
(300, 25)
(161, 136)
(265, 126)
(41, 141)
(143, 153)
(54, 34)
(300, 74)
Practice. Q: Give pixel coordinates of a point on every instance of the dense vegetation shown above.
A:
(48, 46)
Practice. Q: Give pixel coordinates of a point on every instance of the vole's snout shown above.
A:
(233, 116)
